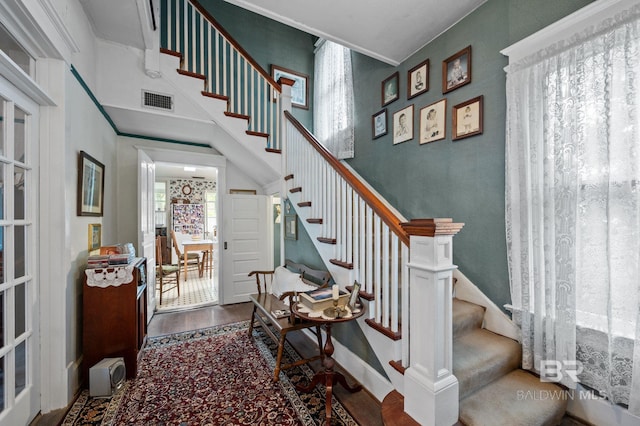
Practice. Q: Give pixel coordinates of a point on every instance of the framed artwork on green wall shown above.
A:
(299, 90)
(456, 70)
(291, 227)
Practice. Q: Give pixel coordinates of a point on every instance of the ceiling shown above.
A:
(172, 170)
(389, 31)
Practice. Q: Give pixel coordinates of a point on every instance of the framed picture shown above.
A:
(299, 90)
(95, 236)
(291, 227)
(418, 80)
(456, 70)
(355, 292)
(467, 118)
(379, 124)
(90, 186)
(433, 120)
(403, 125)
(390, 90)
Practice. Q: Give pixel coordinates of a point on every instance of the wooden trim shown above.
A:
(235, 44)
(432, 227)
(288, 177)
(387, 216)
(171, 52)
(384, 330)
(296, 189)
(304, 204)
(315, 220)
(273, 150)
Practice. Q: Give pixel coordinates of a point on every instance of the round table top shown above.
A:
(324, 319)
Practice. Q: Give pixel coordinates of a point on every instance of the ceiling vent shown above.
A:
(157, 100)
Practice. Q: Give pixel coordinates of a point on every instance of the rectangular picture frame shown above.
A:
(290, 227)
(467, 118)
(299, 90)
(403, 125)
(379, 124)
(390, 88)
(418, 79)
(433, 119)
(95, 236)
(456, 70)
(355, 293)
(90, 196)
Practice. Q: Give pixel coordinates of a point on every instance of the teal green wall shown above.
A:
(269, 42)
(464, 179)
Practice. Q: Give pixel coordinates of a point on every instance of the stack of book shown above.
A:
(98, 261)
(120, 259)
(321, 299)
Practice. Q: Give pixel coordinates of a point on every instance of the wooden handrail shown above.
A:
(235, 44)
(387, 216)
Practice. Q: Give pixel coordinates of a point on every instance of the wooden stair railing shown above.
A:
(365, 231)
(209, 52)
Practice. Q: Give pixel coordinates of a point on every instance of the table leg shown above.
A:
(327, 376)
(184, 257)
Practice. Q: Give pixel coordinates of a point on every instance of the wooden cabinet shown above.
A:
(114, 315)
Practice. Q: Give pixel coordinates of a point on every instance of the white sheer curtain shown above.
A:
(573, 205)
(333, 99)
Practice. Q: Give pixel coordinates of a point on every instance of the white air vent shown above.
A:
(157, 100)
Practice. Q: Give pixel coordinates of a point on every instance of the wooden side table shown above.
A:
(328, 376)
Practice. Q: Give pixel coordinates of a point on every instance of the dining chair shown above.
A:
(163, 271)
(193, 259)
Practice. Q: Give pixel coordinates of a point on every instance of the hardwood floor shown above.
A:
(364, 408)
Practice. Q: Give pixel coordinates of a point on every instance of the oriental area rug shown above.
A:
(212, 376)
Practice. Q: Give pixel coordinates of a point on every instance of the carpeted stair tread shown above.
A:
(467, 316)
(480, 357)
(518, 398)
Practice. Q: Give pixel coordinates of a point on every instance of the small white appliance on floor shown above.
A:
(106, 377)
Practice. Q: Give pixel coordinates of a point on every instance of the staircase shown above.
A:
(449, 361)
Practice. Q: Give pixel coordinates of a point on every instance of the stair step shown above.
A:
(296, 189)
(327, 240)
(317, 221)
(393, 335)
(304, 204)
(215, 96)
(288, 177)
(341, 263)
(171, 52)
(519, 398)
(236, 115)
(397, 365)
(273, 150)
(260, 134)
(192, 74)
(467, 316)
(480, 357)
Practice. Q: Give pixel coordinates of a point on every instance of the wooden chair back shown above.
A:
(176, 246)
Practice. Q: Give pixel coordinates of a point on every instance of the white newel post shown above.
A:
(430, 388)
(285, 105)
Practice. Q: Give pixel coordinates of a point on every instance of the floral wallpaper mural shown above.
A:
(190, 190)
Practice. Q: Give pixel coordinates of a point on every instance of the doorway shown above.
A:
(186, 220)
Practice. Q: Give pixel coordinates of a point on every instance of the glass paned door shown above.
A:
(19, 350)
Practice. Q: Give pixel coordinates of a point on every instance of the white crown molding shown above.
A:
(59, 26)
(590, 15)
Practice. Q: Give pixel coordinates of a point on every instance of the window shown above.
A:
(333, 99)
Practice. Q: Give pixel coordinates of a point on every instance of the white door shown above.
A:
(19, 303)
(146, 224)
(245, 245)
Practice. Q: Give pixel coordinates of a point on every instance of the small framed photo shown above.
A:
(403, 125)
(379, 124)
(418, 80)
(299, 90)
(433, 120)
(290, 227)
(456, 70)
(95, 236)
(90, 186)
(390, 90)
(467, 118)
(355, 293)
